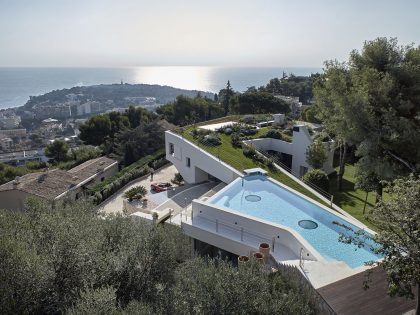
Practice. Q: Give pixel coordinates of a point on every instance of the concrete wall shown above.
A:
(202, 163)
(283, 235)
(301, 141)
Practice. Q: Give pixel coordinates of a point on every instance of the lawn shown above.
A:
(234, 157)
(349, 199)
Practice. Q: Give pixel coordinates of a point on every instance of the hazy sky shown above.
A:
(227, 33)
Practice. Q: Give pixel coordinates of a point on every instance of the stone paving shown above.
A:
(114, 204)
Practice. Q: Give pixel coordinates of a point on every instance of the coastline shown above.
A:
(18, 83)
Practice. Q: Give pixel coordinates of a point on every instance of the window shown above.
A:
(102, 179)
(188, 162)
(77, 196)
(171, 148)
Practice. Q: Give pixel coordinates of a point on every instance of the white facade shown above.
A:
(297, 149)
(196, 164)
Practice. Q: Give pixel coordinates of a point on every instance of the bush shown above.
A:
(178, 179)
(235, 140)
(318, 178)
(211, 139)
(249, 152)
(274, 134)
(137, 192)
(156, 164)
(35, 165)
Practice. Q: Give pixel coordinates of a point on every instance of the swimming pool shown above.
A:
(261, 198)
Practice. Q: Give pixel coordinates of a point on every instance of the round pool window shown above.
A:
(308, 224)
(252, 198)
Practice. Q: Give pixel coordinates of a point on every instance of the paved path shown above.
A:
(114, 204)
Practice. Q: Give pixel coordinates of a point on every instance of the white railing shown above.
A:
(218, 224)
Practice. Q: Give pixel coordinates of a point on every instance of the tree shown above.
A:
(366, 181)
(309, 114)
(225, 95)
(58, 150)
(316, 154)
(96, 129)
(317, 177)
(261, 103)
(206, 286)
(372, 101)
(397, 220)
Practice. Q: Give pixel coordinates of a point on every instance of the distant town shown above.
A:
(26, 130)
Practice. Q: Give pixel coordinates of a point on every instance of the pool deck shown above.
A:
(347, 296)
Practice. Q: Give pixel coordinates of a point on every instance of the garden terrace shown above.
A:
(234, 154)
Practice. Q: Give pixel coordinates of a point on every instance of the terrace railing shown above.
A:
(241, 232)
(277, 161)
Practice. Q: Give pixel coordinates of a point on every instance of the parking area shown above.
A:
(115, 203)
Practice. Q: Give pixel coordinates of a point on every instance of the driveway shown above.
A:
(114, 204)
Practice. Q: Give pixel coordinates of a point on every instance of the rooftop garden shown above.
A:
(226, 145)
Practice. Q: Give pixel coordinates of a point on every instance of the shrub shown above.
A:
(235, 140)
(137, 192)
(270, 165)
(156, 164)
(35, 165)
(211, 139)
(249, 152)
(274, 134)
(318, 178)
(178, 179)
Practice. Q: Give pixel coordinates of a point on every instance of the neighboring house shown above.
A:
(21, 157)
(13, 133)
(56, 184)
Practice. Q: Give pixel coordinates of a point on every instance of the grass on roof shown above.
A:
(235, 158)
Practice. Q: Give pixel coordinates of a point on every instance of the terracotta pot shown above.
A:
(265, 250)
(259, 257)
(242, 260)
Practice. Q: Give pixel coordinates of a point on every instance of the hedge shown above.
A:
(138, 169)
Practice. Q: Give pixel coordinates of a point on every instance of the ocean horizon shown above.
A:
(18, 83)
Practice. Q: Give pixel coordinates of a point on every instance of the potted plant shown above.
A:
(259, 257)
(242, 260)
(265, 250)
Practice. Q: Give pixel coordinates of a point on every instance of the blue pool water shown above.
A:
(259, 197)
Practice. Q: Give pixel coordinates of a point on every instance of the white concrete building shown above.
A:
(254, 209)
(196, 164)
(296, 150)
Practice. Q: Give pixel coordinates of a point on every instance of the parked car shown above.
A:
(159, 187)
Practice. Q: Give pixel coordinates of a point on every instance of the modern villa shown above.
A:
(253, 208)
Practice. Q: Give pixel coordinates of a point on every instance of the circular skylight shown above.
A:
(308, 224)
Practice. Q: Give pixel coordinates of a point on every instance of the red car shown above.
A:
(159, 187)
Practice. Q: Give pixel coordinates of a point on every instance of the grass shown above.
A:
(235, 158)
(352, 200)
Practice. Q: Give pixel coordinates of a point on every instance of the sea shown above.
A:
(17, 84)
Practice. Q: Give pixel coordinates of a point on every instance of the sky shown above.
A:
(263, 33)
